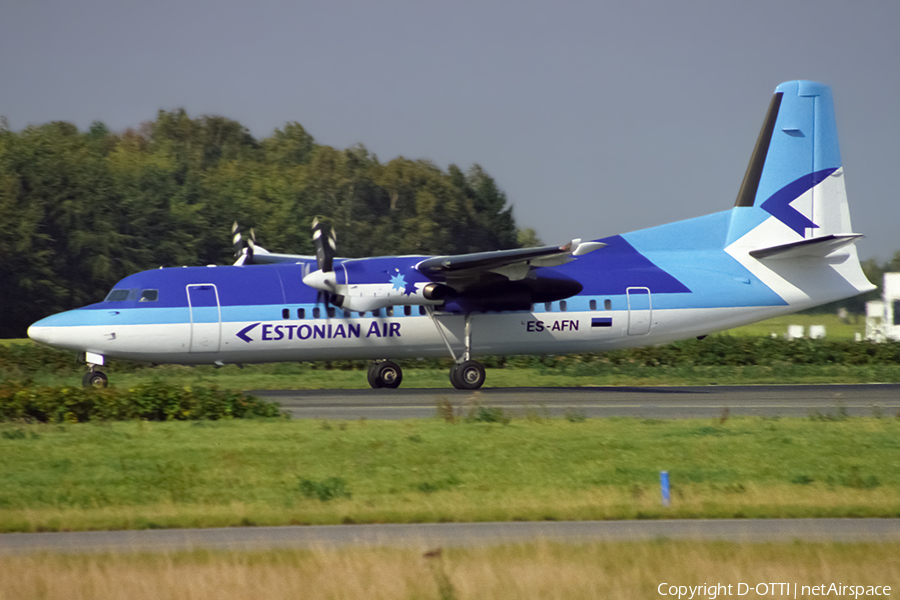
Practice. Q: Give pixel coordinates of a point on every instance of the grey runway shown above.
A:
(640, 402)
(431, 535)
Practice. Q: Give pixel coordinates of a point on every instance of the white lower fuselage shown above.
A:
(339, 337)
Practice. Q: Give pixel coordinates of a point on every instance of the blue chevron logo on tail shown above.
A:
(779, 204)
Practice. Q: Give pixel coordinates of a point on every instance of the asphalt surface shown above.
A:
(431, 535)
(641, 402)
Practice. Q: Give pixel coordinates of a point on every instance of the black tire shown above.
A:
(372, 376)
(454, 376)
(96, 379)
(388, 374)
(468, 375)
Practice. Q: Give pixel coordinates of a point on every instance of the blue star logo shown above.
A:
(410, 289)
(398, 282)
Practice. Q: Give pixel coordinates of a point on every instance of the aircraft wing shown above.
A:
(513, 264)
(261, 256)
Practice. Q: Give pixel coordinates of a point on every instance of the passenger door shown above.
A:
(640, 310)
(203, 300)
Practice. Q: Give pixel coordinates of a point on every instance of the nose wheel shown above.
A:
(95, 379)
(385, 374)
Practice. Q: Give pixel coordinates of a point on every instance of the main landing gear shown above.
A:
(466, 374)
(385, 374)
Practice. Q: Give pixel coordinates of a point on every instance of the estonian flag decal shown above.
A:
(601, 322)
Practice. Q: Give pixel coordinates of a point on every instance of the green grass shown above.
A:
(140, 475)
(835, 328)
(306, 376)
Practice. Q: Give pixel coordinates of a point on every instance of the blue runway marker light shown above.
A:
(664, 485)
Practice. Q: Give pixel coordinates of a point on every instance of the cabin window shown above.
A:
(376, 313)
(285, 313)
(121, 295)
(390, 311)
(330, 312)
(607, 304)
(593, 305)
(407, 310)
(562, 305)
(317, 313)
(362, 314)
(548, 306)
(422, 310)
(301, 313)
(149, 295)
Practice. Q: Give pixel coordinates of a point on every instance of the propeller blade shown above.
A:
(236, 240)
(243, 252)
(325, 243)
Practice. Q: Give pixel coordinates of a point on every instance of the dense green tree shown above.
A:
(84, 209)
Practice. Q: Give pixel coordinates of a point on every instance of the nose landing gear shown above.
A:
(96, 379)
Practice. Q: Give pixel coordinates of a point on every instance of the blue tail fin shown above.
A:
(791, 222)
(797, 150)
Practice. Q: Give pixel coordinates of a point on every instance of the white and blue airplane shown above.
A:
(786, 245)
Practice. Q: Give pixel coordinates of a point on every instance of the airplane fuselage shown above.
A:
(264, 313)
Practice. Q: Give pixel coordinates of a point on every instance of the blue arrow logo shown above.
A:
(779, 204)
(243, 333)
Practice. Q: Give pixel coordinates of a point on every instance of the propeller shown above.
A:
(325, 241)
(324, 279)
(244, 255)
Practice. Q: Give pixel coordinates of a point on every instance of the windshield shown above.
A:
(121, 295)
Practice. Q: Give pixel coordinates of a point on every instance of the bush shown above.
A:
(151, 402)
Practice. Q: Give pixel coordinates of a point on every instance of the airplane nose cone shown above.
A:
(40, 332)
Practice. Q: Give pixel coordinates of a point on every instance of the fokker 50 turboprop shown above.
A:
(786, 245)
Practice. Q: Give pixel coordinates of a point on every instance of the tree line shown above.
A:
(82, 209)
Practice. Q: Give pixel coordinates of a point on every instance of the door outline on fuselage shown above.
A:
(206, 335)
(640, 310)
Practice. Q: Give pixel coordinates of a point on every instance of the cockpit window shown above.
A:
(149, 295)
(121, 295)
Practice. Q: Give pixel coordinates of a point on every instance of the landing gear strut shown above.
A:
(385, 374)
(466, 374)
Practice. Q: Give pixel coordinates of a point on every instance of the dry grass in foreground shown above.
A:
(539, 570)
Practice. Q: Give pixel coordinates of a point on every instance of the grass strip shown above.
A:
(538, 570)
(223, 473)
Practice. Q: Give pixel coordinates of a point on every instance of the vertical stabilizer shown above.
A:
(791, 224)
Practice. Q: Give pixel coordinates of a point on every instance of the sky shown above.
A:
(594, 118)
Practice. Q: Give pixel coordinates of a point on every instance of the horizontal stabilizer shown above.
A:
(819, 247)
